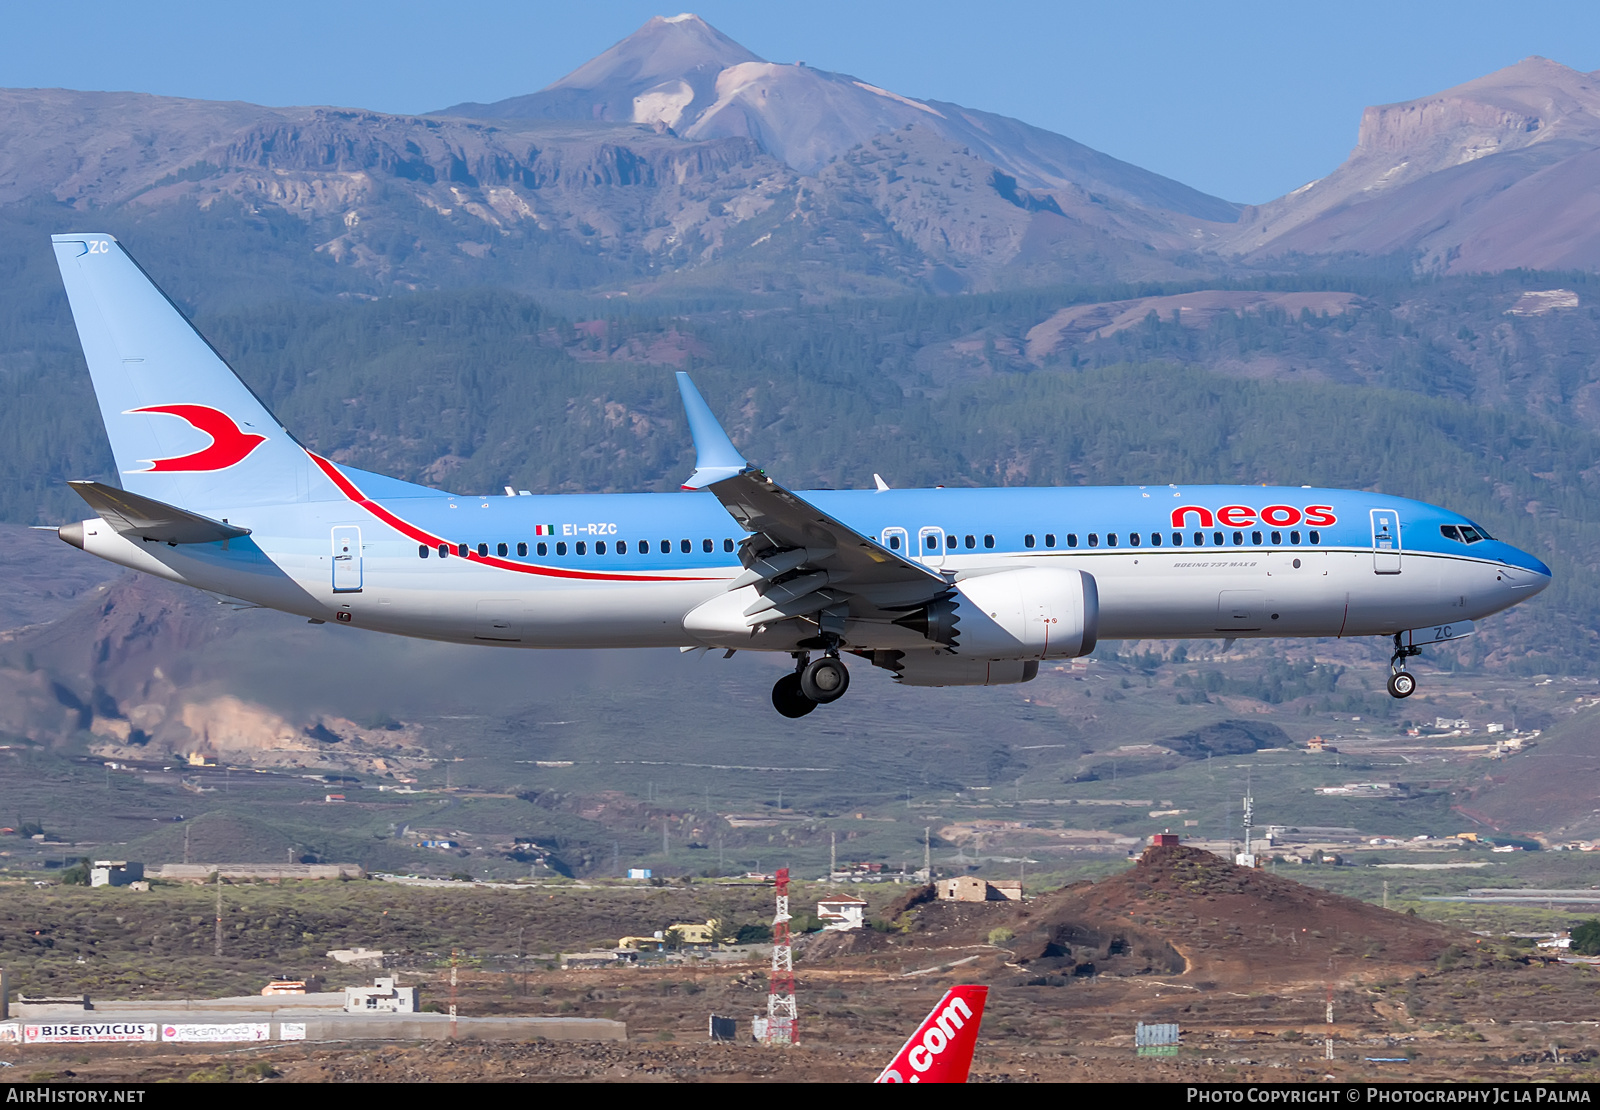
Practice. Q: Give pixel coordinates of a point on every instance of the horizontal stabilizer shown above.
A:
(149, 519)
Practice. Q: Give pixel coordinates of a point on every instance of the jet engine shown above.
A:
(1036, 613)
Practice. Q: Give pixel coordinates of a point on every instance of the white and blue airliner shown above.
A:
(942, 587)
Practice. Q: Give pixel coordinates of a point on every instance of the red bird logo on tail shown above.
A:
(228, 446)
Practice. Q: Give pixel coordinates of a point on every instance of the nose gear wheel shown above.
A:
(1402, 683)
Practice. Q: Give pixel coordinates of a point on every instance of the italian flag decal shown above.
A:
(544, 529)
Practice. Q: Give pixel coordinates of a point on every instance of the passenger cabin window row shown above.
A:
(1196, 539)
(952, 543)
(579, 547)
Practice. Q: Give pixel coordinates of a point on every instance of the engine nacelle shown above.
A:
(1035, 613)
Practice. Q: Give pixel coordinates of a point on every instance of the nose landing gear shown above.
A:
(1402, 683)
(812, 683)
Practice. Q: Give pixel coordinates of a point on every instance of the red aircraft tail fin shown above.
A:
(940, 1051)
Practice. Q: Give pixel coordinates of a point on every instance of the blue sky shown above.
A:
(1243, 99)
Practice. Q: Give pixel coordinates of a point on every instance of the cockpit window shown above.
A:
(1463, 533)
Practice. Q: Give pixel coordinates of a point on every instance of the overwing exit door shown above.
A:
(1385, 541)
(930, 547)
(346, 559)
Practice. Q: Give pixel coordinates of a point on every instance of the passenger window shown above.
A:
(444, 550)
(727, 545)
(1155, 539)
(583, 547)
(1315, 536)
(1094, 539)
(1294, 537)
(502, 550)
(1111, 539)
(950, 542)
(422, 551)
(1199, 539)
(988, 541)
(1216, 538)
(932, 542)
(483, 550)
(972, 542)
(706, 546)
(644, 547)
(894, 542)
(1072, 539)
(544, 549)
(522, 550)
(1238, 539)
(1277, 537)
(1133, 538)
(1027, 541)
(561, 547)
(622, 547)
(1049, 539)
(1255, 538)
(685, 546)
(1177, 539)
(461, 550)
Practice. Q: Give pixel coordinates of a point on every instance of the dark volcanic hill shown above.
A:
(1183, 911)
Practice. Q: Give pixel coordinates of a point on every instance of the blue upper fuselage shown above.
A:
(646, 533)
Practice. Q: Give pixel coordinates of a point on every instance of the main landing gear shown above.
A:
(812, 683)
(1402, 683)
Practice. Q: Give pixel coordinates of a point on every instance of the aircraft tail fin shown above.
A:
(940, 1051)
(183, 428)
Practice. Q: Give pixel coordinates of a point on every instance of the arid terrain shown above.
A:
(1245, 961)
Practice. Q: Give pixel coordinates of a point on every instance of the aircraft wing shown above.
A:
(149, 519)
(801, 560)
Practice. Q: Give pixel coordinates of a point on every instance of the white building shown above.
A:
(383, 997)
(842, 914)
(115, 872)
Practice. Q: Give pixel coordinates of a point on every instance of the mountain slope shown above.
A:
(1499, 173)
(684, 74)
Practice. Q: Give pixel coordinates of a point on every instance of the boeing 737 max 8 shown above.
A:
(943, 587)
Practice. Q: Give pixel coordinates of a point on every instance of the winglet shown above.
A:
(715, 456)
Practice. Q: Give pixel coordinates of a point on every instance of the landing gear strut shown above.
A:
(1402, 683)
(811, 683)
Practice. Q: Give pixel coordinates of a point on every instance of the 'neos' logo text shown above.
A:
(1242, 516)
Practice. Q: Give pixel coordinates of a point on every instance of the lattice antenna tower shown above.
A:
(781, 1015)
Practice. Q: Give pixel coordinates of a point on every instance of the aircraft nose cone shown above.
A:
(1525, 574)
(72, 533)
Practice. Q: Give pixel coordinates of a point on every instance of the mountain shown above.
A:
(683, 74)
(1499, 173)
